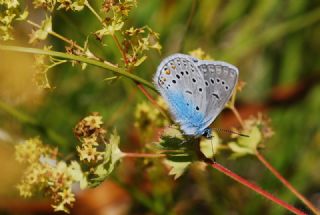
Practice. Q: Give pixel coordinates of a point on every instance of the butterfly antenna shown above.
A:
(229, 131)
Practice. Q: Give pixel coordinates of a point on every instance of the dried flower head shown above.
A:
(89, 127)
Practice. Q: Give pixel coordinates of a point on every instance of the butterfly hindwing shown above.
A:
(220, 80)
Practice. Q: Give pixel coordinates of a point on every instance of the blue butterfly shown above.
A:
(195, 90)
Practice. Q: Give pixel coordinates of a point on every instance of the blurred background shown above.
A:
(276, 46)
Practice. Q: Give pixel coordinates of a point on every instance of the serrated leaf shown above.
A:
(111, 156)
(239, 151)
(177, 168)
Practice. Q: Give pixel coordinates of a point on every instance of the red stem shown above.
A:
(143, 155)
(152, 100)
(255, 188)
(287, 184)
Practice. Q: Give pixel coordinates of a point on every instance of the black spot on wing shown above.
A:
(215, 95)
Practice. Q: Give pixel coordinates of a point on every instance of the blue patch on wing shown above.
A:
(190, 119)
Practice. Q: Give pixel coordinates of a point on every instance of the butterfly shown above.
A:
(196, 90)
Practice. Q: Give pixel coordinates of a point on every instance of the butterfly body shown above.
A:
(195, 90)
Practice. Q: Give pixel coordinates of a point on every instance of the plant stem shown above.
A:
(24, 118)
(143, 155)
(123, 53)
(236, 113)
(81, 59)
(124, 56)
(287, 184)
(59, 36)
(17, 114)
(152, 100)
(275, 172)
(93, 11)
(254, 187)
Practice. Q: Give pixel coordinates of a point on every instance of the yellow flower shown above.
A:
(67, 196)
(93, 121)
(88, 153)
(25, 189)
(90, 141)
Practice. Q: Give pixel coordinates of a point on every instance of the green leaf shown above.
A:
(141, 60)
(42, 32)
(209, 147)
(238, 151)
(24, 15)
(177, 168)
(111, 157)
(253, 140)
(246, 145)
(77, 174)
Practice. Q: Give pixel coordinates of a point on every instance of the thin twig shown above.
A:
(287, 184)
(123, 53)
(59, 36)
(236, 113)
(274, 171)
(152, 100)
(143, 155)
(254, 187)
(93, 11)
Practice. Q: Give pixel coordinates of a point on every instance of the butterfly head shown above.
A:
(207, 133)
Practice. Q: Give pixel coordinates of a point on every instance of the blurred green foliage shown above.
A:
(275, 44)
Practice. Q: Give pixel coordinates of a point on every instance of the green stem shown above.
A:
(24, 118)
(81, 59)
(93, 11)
(59, 36)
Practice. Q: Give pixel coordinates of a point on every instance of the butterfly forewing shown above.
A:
(181, 83)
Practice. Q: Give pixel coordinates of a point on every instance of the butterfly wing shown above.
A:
(220, 80)
(182, 85)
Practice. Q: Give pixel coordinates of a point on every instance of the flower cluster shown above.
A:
(74, 5)
(135, 40)
(148, 118)
(138, 40)
(9, 12)
(98, 154)
(91, 134)
(45, 174)
(116, 13)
